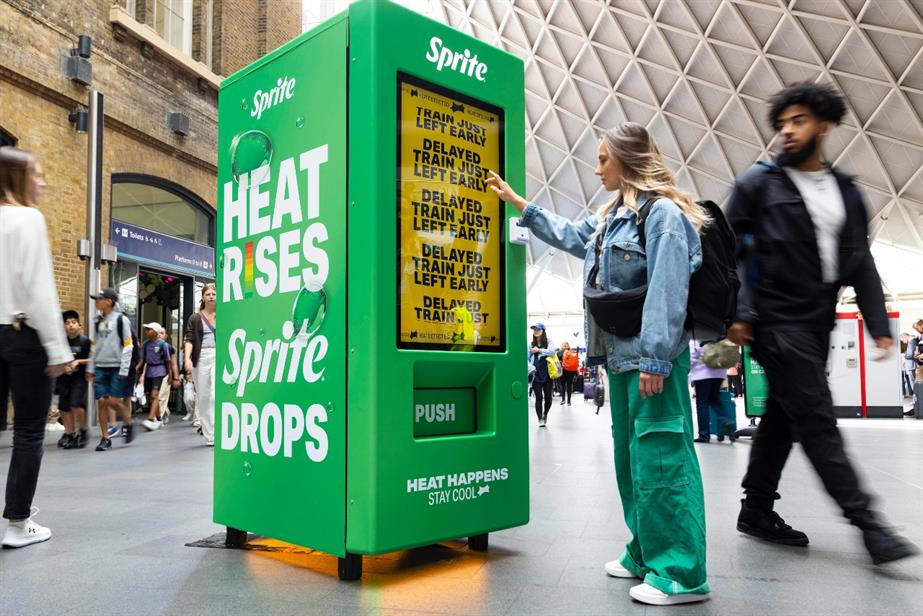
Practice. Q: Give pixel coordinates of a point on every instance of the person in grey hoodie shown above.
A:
(110, 361)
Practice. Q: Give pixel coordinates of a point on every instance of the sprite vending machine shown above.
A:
(370, 377)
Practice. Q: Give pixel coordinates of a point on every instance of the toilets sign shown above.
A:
(159, 249)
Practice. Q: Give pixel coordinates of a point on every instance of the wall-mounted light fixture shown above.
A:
(77, 66)
(178, 122)
(78, 117)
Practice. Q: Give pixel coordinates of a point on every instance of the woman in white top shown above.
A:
(199, 350)
(33, 345)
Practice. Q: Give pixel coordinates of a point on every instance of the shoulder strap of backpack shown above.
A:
(767, 164)
(643, 213)
(121, 329)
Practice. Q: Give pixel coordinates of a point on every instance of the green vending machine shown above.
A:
(370, 373)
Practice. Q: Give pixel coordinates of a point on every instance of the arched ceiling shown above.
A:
(697, 73)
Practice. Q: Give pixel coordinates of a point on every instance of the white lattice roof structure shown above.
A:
(697, 73)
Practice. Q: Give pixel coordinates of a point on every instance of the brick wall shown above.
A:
(35, 99)
(252, 28)
(283, 22)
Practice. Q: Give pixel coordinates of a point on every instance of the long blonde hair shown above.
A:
(644, 170)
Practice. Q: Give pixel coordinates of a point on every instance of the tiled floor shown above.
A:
(121, 520)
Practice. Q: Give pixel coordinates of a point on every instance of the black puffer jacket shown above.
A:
(778, 261)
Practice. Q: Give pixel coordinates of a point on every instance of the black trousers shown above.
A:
(706, 394)
(800, 408)
(568, 384)
(22, 362)
(735, 383)
(543, 397)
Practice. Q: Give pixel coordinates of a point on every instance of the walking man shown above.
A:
(110, 360)
(801, 229)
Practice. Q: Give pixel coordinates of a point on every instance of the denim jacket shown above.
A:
(673, 254)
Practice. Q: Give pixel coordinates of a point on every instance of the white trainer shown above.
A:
(615, 569)
(27, 532)
(645, 593)
(149, 425)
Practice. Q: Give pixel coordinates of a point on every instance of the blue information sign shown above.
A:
(153, 248)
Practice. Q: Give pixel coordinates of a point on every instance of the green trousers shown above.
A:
(659, 481)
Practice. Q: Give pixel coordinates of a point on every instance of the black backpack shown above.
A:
(712, 303)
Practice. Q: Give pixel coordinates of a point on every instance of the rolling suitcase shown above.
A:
(723, 416)
(589, 389)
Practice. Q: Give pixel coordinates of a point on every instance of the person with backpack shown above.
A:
(570, 362)
(640, 275)
(707, 384)
(153, 368)
(803, 232)
(110, 363)
(540, 350)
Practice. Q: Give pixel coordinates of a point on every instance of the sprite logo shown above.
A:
(281, 92)
(460, 61)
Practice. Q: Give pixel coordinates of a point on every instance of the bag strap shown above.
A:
(643, 213)
(642, 217)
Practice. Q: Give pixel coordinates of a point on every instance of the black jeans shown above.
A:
(735, 383)
(706, 394)
(22, 362)
(800, 407)
(543, 397)
(568, 383)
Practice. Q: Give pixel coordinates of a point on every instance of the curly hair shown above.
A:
(822, 99)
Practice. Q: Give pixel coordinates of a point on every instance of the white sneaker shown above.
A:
(54, 427)
(150, 425)
(615, 569)
(196, 423)
(541, 423)
(27, 532)
(644, 593)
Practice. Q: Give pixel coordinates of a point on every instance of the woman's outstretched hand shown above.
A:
(504, 191)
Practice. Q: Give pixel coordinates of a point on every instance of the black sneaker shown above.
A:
(770, 526)
(885, 546)
(65, 440)
(129, 433)
(81, 438)
(105, 444)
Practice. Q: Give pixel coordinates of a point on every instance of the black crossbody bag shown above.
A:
(617, 312)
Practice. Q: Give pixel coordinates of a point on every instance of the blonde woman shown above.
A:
(33, 345)
(199, 351)
(656, 466)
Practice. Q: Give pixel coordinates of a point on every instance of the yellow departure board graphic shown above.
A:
(451, 236)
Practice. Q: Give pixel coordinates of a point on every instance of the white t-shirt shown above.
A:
(824, 202)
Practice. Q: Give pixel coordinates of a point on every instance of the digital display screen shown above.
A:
(451, 273)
